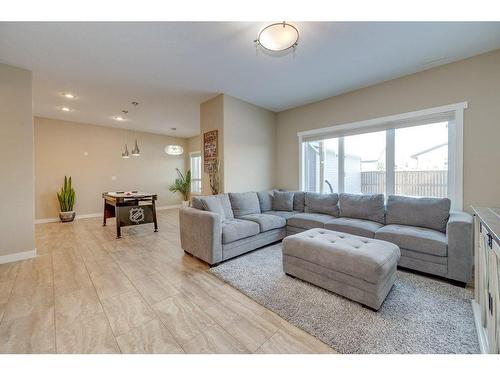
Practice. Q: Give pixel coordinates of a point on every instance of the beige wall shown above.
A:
(193, 144)
(247, 137)
(475, 80)
(212, 118)
(249, 144)
(16, 167)
(59, 151)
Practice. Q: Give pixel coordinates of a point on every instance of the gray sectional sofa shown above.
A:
(431, 238)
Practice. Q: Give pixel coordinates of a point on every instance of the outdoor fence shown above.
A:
(418, 183)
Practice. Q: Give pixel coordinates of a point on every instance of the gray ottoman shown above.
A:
(361, 269)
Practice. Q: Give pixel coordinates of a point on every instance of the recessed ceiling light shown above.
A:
(119, 118)
(65, 109)
(68, 95)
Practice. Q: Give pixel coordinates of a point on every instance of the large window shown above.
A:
(195, 161)
(421, 160)
(411, 157)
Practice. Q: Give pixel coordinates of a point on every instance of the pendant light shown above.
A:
(136, 151)
(174, 149)
(125, 154)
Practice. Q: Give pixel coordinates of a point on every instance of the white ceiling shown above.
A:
(171, 67)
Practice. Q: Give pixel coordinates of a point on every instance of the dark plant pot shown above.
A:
(67, 216)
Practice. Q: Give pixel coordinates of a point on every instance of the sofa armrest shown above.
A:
(459, 235)
(201, 234)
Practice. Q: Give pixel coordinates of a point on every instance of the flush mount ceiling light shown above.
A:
(65, 109)
(278, 37)
(68, 95)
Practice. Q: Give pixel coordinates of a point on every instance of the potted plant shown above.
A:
(66, 199)
(182, 185)
(214, 178)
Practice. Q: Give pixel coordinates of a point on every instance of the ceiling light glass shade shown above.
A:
(136, 151)
(68, 95)
(118, 118)
(174, 150)
(125, 154)
(278, 37)
(65, 109)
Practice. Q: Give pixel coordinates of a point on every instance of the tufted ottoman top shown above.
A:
(359, 257)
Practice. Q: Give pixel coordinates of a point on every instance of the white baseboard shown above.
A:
(17, 256)
(171, 207)
(88, 216)
(56, 219)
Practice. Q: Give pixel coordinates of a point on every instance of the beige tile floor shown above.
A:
(88, 292)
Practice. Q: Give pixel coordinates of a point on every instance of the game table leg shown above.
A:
(118, 228)
(154, 216)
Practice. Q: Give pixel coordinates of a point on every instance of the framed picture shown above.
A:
(210, 149)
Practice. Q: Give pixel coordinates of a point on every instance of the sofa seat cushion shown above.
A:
(284, 214)
(309, 220)
(358, 227)
(266, 222)
(418, 239)
(236, 229)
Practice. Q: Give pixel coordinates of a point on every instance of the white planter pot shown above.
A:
(185, 203)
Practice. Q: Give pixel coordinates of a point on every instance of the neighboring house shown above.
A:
(433, 158)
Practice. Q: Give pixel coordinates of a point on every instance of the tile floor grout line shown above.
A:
(10, 294)
(151, 308)
(100, 302)
(54, 297)
(166, 252)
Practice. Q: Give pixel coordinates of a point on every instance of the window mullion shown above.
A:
(341, 173)
(390, 173)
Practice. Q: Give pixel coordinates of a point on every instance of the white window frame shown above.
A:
(191, 155)
(455, 143)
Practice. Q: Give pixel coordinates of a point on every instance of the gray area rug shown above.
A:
(420, 314)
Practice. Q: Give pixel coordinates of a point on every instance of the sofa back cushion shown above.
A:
(197, 202)
(219, 204)
(283, 201)
(265, 200)
(363, 206)
(244, 203)
(213, 204)
(432, 213)
(299, 201)
(322, 203)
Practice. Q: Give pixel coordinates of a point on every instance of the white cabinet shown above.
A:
(486, 303)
